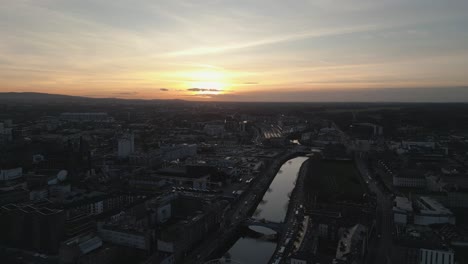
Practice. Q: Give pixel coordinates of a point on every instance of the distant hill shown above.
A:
(45, 98)
(29, 97)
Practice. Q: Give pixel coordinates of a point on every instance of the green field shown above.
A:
(332, 181)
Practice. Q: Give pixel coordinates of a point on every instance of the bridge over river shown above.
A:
(275, 226)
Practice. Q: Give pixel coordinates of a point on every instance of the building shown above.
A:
(422, 211)
(170, 153)
(78, 222)
(402, 210)
(243, 126)
(126, 145)
(160, 257)
(192, 219)
(409, 179)
(95, 203)
(88, 248)
(18, 195)
(452, 189)
(131, 228)
(365, 130)
(126, 236)
(86, 117)
(214, 129)
(417, 144)
(35, 227)
(429, 211)
(11, 179)
(422, 244)
(303, 257)
(73, 249)
(6, 133)
(327, 136)
(151, 158)
(352, 245)
(436, 256)
(197, 177)
(162, 207)
(10, 174)
(38, 194)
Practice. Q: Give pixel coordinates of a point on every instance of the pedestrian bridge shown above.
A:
(277, 227)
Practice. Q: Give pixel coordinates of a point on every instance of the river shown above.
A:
(273, 207)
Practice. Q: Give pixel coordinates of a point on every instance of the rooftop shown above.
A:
(349, 241)
(427, 205)
(402, 204)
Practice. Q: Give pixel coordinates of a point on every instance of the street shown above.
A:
(381, 251)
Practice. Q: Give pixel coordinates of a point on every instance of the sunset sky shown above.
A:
(246, 50)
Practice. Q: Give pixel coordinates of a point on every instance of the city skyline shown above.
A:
(237, 51)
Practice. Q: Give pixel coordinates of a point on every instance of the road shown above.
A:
(381, 252)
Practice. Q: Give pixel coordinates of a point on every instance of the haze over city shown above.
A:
(391, 50)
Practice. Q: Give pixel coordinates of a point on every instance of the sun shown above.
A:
(207, 82)
(207, 87)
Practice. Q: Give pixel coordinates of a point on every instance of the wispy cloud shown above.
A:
(203, 90)
(271, 40)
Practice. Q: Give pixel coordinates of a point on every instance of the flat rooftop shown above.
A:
(427, 205)
(403, 204)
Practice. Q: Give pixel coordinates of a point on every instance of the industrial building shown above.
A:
(421, 211)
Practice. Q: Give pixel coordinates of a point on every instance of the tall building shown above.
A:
(32, 226)
(126, 145)
(6, 133)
